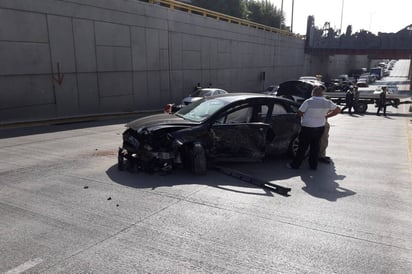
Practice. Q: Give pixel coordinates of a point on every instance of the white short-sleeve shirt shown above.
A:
(314, 111)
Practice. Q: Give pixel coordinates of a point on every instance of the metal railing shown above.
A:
(172, 4)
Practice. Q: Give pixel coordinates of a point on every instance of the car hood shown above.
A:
(158, 120)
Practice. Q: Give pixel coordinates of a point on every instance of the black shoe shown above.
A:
(325, 160)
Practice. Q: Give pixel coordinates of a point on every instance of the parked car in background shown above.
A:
(201, 93)
(363, 81)
(271, 90)
(371, 78)
(230, 127)
(311, 79)
(195, 96)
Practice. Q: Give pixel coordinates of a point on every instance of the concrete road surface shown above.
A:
(65, 208)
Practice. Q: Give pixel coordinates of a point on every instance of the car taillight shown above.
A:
(168, 108)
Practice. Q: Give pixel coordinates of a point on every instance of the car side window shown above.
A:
(262, 112)
(236, 116)
(278, 109)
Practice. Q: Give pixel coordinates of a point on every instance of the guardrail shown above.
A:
(218, 16)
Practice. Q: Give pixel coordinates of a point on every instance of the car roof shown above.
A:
(232, 97)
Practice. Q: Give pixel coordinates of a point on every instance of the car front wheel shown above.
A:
(198, 157)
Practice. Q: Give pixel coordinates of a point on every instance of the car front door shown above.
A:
(235, 137)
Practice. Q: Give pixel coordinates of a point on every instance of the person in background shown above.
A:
(324, 141)
(198, 86)
(382, 102)
(348, 100)
(356, 95)
(313, 113)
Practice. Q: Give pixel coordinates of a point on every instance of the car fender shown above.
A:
(186, 135)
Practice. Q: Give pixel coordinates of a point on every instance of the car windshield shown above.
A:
(201, 110)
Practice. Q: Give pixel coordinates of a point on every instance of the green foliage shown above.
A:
(263, 11)
(236, 8)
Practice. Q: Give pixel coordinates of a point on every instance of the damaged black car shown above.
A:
(230, 127)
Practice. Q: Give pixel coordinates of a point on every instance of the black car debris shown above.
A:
(230, 127)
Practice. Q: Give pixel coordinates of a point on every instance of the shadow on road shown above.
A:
(182, 177)
(322, 184)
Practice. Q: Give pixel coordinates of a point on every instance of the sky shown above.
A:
(371, 15)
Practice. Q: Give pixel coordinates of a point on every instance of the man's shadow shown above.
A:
(323, 184)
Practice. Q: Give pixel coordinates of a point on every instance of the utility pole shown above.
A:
(281, 14)
(291, 20)
(341, 16)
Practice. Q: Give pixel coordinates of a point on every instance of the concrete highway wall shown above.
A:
(63, 58)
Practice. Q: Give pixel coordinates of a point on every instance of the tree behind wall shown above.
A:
(265, 13)
(262, 12)
(236, 8)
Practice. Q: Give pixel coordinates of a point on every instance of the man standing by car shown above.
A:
(313, 113)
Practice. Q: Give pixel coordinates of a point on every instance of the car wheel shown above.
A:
(293, 146)
(121, 160)
(361, 107)
(199, 165)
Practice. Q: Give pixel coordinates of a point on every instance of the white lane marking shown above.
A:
(23, 267)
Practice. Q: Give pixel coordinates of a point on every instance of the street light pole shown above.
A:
(291, 20)
(341, 16)
(281, 14)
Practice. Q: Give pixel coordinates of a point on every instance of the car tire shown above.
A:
(361, 107)
(199, 164)
(293, 146)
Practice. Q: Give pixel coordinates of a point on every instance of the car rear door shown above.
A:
(285, 126)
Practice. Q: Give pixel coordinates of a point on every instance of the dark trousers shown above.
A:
(348, 106)
(383, 108)
(309, 137)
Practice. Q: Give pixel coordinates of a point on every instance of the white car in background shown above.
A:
(201, 93)
(311, 80)
(196, 95)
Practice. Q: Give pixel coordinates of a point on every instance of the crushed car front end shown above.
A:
(151, 148)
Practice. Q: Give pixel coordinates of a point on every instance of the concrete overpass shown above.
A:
(327, 41)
